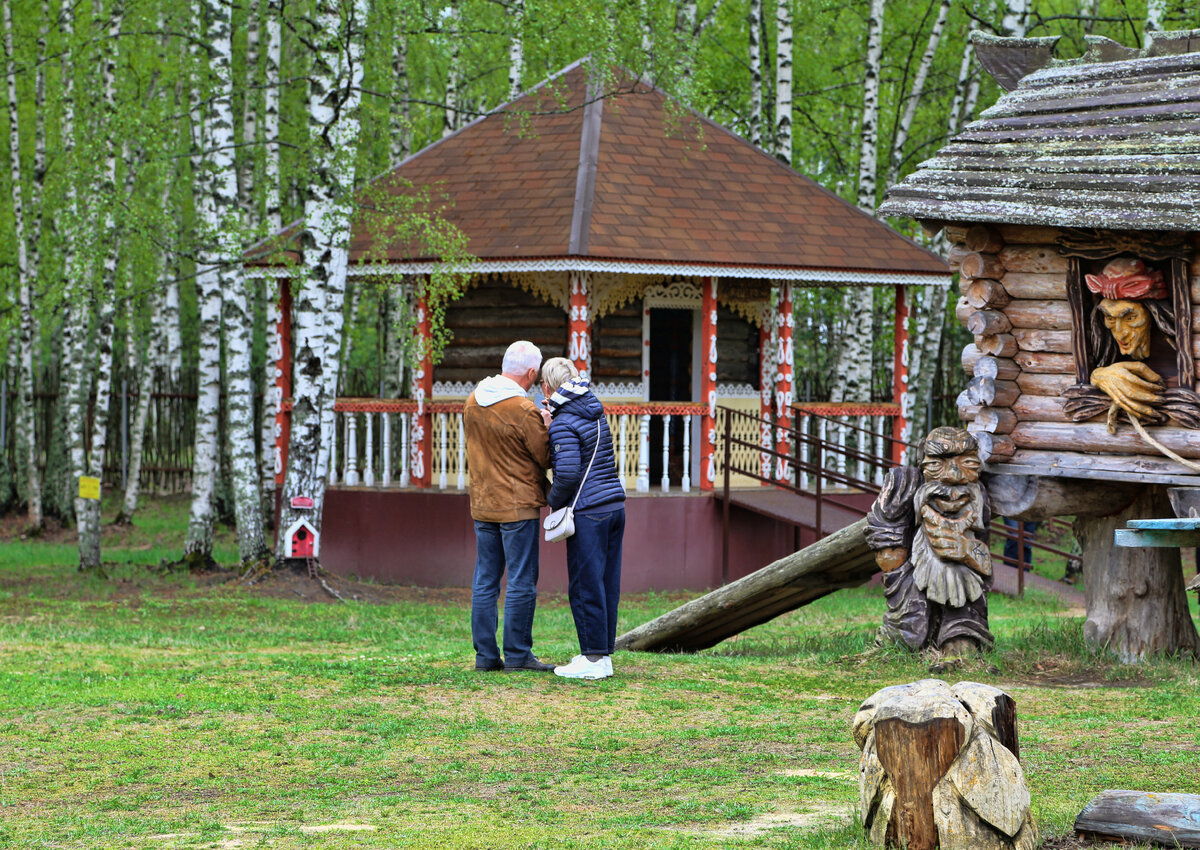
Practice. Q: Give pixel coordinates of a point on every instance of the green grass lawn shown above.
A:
(156, 710)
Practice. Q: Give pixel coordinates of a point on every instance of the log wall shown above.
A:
(617, 345)
(1013, 283)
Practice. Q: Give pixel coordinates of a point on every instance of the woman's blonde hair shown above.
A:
(557, 371)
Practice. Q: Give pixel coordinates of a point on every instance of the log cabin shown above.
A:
(655, 249)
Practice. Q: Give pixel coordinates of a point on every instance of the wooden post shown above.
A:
(785, 395)
(579, 328)
(283, 380)
(764, 395)
(708, 383)
(901, 429)
(422, 388)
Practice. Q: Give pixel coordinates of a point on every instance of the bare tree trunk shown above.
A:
(335, 81)
(754, 19)
(783, 82)
(1136, 605)
(1156, 13)
(516, 47)
(89, 536)
(853, 375)
(451, 119)
(1016, 13)
(250, 115)
(904, 126)
(26, 430)
(271, 85)
(145, 373)
(401, 100)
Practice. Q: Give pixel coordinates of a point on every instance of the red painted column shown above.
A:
(708, 382)
(421, 472)
(283, 380)
(785, 391)
(766, 387)
(579, 328)
(901, 429)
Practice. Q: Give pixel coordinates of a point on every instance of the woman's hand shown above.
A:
(546, 416)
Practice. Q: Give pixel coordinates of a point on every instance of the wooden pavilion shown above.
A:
(655, 249)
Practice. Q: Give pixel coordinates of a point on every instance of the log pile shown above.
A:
(1013, 282)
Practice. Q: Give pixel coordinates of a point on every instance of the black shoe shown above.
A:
(489, 668)
(532, 664)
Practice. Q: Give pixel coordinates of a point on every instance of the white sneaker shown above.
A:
(581, 668)
(607, 662)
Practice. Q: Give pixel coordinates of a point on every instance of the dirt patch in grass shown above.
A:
(290, 584)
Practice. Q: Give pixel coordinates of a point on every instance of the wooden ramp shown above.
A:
(837, 511)
(838, 561)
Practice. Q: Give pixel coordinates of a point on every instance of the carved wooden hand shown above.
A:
(1133, 386)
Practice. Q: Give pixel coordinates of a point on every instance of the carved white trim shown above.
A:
(611, 291)
(680, 294)
(757, 313)
(816, 277)
(452, 389)
(619, 389)
(736, 391)
(553, 287)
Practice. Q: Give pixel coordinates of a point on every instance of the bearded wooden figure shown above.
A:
(928, 528)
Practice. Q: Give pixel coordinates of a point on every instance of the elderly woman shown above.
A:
(577, 430)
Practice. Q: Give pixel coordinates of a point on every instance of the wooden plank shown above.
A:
(1173, 522)
(1155, 538)
(1168, 820)
(1094, 437)
(1139, 468)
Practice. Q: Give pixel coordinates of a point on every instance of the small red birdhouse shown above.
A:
(301, 541)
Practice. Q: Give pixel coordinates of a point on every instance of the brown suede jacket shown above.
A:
(508, 453)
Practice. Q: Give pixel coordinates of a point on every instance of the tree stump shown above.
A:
(1136, 603)
(939, 769)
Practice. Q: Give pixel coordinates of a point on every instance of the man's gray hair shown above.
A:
(521, 356)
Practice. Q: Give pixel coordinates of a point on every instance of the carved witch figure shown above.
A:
(928, 528)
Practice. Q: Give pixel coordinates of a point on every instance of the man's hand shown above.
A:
(891, 559)
(1132, 385)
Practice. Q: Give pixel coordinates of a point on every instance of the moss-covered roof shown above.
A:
(1110, 140)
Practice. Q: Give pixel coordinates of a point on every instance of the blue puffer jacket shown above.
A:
(573, 434)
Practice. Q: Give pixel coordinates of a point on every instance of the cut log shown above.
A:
(915, 756)
(1041, 314)
(1033, 259)
(1136, 605)
(994, 448)
(1094, 437)
(983, 239)
(1025, 234)
(963, 311)
(1046, 363)
(840, 560)
(1194, 288)
(968, 412)
(1022, 285)
(986, 294)
(1028, 339)
(956, 234)
(997, 367)
(1036, 498)
(1000, 345)
(1039, 408)
(1137, 817)
(970, 357)
(988, 322)
(996, 420)
(989, 392)
(1051, 385)
(976, 265)
(955, 256)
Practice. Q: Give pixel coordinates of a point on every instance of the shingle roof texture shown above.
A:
(665, 185)
(1111, 145)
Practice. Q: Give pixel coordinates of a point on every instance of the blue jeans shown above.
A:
(1011, 545)
(594, 579)
(501, 545)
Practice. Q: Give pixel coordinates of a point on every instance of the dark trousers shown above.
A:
(501, 547)
(594, 579)
(1012, 545)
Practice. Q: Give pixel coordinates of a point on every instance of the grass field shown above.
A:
(156, 710)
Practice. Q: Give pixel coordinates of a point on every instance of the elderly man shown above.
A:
(928, 528)
(508, 452)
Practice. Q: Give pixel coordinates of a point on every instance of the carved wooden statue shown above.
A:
(928, 528)
(939, 768)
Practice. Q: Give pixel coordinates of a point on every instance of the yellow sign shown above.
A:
(89, 488)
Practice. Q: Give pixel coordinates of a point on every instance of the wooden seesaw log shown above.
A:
(838, 561)
(1168, 820)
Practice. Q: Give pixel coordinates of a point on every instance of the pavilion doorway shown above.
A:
(673, 349)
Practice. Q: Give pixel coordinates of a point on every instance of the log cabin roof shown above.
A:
(1111, 141)
(629, 181)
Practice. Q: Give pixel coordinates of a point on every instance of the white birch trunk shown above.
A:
(904, 126)
(401, 111)
(1016, 13)
(333, 121)
(644, 9)
(963, 103)
(250, 115)
(783, 82)
(1156, 13)
(516, 48)
(137, 439)
(854, 358)
(391, 330)
(271, 85)
(450, 121)
(89, 536)
(27, 452)
(754, 21)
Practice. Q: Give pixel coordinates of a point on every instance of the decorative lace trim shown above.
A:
(737, 391)
(616, 389)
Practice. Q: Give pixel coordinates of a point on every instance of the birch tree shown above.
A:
(852, 381)
(1156, 14)
(452, 26)
(336, 36)
(26, 430)
(783, 82)
(754, 21)
(1016, 14)
(516, 47)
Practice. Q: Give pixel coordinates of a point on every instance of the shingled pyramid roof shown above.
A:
(1109, 141)
(629, 182)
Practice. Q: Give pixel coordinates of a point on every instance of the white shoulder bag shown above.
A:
(561, 523)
